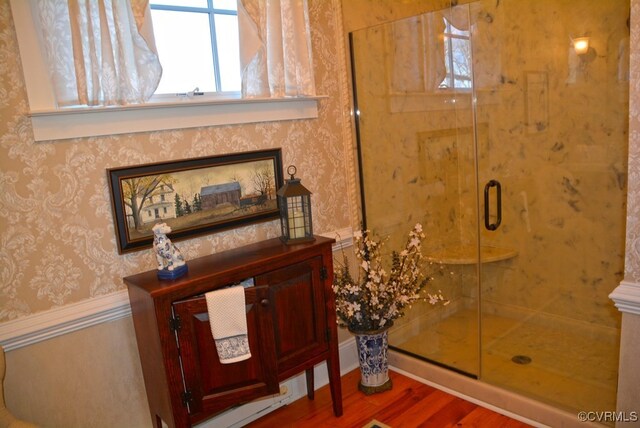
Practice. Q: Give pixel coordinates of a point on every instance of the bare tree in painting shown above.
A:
(236, 177)
(263, 180)
(136, 192)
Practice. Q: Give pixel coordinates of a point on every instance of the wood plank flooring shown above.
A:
(409, 404)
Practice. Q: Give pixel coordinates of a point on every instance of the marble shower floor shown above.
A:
(568, 369)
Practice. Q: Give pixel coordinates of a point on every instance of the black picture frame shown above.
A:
(194, 196)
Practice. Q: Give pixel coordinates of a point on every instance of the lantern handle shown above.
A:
(291, 170)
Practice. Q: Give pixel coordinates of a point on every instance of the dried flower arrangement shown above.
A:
(377, 297)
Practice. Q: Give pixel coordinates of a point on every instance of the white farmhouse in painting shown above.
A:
(159, 206)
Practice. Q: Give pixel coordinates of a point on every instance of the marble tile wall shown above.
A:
(552, 127)
(558, 142)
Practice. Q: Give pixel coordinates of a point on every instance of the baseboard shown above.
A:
(515, 406)
(48, 324)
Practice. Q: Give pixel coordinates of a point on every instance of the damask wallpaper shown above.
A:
(632, 260)
(57, 241)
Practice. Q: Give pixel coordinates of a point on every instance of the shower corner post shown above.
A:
(627, 299)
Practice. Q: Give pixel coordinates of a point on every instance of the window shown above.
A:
(197, 41)
(162, 113)
(457, 48)
(429, 62)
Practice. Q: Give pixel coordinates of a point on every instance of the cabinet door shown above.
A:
(298, 311)
(214, 386)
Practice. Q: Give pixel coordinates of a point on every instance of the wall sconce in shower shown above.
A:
(581, 45)
(581, 56)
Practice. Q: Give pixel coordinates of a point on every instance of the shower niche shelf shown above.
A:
(468, 254)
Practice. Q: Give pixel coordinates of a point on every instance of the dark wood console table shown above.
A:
(291, 324)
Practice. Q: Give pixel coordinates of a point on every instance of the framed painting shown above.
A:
(194, 196)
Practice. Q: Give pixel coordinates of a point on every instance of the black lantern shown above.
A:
(295, 210)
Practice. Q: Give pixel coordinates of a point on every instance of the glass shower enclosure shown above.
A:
(493, 125)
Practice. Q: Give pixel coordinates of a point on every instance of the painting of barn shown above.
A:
(195, 195)
(218, 194)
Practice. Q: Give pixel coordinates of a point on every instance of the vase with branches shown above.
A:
(368, 303)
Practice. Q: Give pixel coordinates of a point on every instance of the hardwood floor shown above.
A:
(409, 404)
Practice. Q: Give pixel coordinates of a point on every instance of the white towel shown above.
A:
(228, 320)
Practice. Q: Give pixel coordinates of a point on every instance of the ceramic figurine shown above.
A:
(171, 264)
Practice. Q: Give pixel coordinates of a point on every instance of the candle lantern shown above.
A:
(295, 210)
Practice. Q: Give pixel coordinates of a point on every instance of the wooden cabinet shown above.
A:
(291, 326)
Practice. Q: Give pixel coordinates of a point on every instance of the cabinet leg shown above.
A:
(310, 384)
(335, 385)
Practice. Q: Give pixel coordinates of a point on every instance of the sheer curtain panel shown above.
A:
(275, 48)
(99, 52)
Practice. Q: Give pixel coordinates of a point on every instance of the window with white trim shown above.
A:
(197, 42)
(457, 60)
(162, 112)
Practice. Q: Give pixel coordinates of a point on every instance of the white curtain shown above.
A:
(418, 51)
(417, 54)
(99, 52)
(275, 48)
(458, 16)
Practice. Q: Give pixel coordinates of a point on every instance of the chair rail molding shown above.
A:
(626, 297)
(45, 325)
(54, 322)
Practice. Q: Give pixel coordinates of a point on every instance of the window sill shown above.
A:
(440, 100)
(157, 116)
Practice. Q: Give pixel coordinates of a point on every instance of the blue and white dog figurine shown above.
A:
(168, 256)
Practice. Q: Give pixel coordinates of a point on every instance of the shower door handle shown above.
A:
(487, 188)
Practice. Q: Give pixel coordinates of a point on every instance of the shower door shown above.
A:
(487, 123)
(551, 121)
(416, 139)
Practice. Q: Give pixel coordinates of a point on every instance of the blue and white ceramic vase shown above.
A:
(374, 366)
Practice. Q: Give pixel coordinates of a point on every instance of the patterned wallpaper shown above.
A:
(57, 240)
(632, 260)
